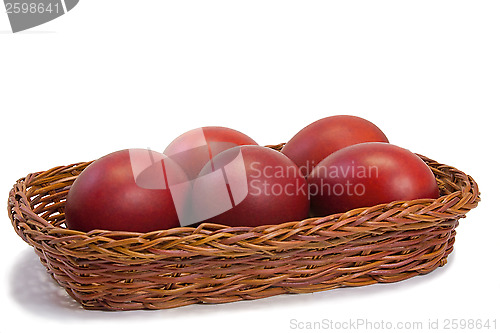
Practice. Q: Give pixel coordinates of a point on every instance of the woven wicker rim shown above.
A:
(33, 215)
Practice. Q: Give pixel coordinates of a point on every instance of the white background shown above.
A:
(119, 74)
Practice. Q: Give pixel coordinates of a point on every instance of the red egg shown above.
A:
(368, 174)
(193, 149)
(318, 140)
(127, 190)
(250, 186)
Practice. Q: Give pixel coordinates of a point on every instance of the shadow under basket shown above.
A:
(217, 264)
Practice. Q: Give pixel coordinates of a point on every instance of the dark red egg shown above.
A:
(195, 148)
(250, 186)
(368, 174)
(125, 191)
(321, 138)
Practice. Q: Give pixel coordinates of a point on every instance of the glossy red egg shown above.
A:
(318, 140)
(368, 174)
(195, 148)
(125, 191)
(250, 186)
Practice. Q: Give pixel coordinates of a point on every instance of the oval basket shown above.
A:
(217, 264)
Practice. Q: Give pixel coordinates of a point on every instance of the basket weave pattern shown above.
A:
(217, 264)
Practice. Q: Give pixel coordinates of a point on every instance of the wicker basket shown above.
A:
(217, 264)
